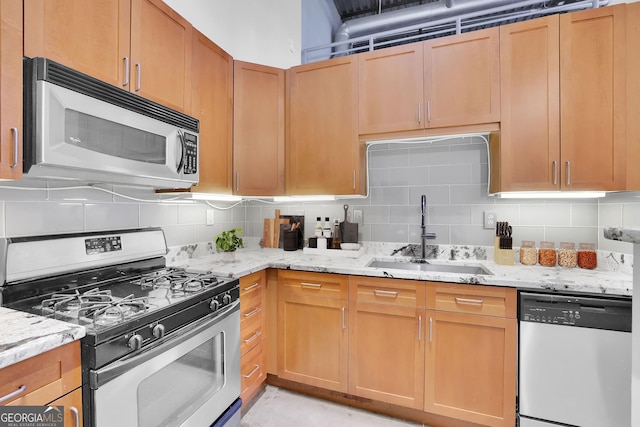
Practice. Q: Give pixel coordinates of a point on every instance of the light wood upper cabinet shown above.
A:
(386, 340)
(258, 140)
(563, 103)
(212, 104)
(462, 79)
(633, 97)
(139, 45)
(11, 89)
(89, 36)
(529, 145)
(593, 99)
(391, 77)
(323, 153)
(444, 82)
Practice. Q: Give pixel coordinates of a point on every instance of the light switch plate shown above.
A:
(490, 219)
(357, 216)
(209, 216)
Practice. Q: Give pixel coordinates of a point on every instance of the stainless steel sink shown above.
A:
(442, 268)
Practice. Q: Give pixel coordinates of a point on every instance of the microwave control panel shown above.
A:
(190, 165)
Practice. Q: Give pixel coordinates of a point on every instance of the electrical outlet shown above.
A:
(209, 216)
(490, 219)
(357, 216)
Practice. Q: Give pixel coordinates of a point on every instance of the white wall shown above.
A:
(256, 31)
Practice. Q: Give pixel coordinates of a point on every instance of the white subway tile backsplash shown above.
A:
(572, 234)
(34, 218)
(471, 235)
(27, 191)
(631, 214)
(111, 216)
(428, 155)
(389, 195)
(450, 215)
(179, 235)
(376, 214)
(408, 176)
(550, 215)
(436, 194)
(584, 214)
(379, 177)
(59, 192)
(450, 174)
(473, 194)
(154, 215)
(389, 233)
(396, 158)
(610, 214)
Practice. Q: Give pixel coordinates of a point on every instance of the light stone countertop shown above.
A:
(24, 335)
(623, 234)
(598, 281)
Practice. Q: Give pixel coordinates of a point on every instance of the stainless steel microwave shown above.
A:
(79, 128)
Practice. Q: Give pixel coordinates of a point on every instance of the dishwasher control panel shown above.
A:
(577, 311)
(558, 316)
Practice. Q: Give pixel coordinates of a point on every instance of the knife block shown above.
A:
(502, 256)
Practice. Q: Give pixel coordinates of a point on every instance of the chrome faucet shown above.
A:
(424, 236)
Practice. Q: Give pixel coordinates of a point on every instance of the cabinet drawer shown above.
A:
(251, 305)
(405, 293)
(72, 403)
(313, 284)
(252, 284)
(252, 331)
(485, 300)
(45, 377)
(253, 372)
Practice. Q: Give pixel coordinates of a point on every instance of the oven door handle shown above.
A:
(114, 370)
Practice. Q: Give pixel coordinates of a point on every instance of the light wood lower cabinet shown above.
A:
(471, 356)
(45, 377)
(253, 353)
(72, 403)
(312, 330)
(386, 340)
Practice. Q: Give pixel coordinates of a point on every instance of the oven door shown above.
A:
(188, 379)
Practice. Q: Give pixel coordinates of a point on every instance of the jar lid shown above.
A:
(528, 244)
(567, 245)
(547, 245)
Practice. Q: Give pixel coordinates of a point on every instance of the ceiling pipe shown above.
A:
(409, 16)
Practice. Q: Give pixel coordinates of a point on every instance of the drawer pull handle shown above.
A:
(343, 318)
(469, 301)
(252, 312)
(380, 292)
(76, 415)
(13, 394)
(16, 146)
(126, 71)
(311, 285)
(250, 374)
(248, 288)
(419, 328)
(139, 77)
(255, 335)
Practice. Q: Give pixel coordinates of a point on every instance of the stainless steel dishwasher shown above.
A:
(574, 361)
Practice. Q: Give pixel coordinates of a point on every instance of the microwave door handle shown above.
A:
(182, 150)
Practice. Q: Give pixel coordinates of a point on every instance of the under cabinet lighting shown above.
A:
(216, 197)
(319, 198)
(550, 194)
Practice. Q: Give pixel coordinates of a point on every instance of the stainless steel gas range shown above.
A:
(162, 346)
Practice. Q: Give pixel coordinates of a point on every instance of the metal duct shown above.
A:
(411, 16)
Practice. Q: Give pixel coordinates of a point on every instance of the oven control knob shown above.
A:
(135, 342)
(226, 299)
(214, 305)
(158, 330)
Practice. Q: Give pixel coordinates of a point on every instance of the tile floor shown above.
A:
(281, 408)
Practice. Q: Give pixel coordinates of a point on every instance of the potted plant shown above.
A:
(228, 241)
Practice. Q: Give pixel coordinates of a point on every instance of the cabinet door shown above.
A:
(386, 353)
(11, 89)
(88, 36)
(471, 368)
(160, 54)
(530, 105)
(253, 371)
(323, 154)
(593, 99)
(633, 97)
(312, 341)
(258, 136)
(72, 403)
(390, 89)
(212, 104)
(462, 79)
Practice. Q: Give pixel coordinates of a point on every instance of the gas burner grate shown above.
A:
(95, 305)
(178, 281)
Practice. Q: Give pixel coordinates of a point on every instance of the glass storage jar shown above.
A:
(587, 257)
(567, 255)
(528, 253)
(547, 254)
